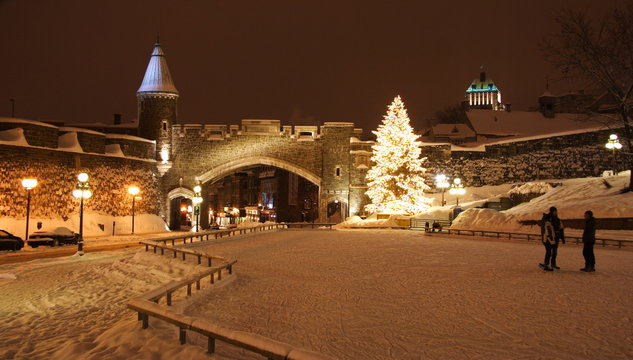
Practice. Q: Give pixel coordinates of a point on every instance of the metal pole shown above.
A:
(443, 202)
(613, 161)
(457, 197)
(28, 213)
(198, 220)
(133, 198)
(80, 243)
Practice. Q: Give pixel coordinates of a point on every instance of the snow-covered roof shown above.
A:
(75, 129)
(527, 123)
(157, 76)
(129, 137)
(453, 130)
(25, 121)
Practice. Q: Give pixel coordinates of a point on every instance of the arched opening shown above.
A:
(336, 211)
(180, 209)
(262, 189)
(260, 193)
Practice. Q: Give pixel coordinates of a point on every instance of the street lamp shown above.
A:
(457, 189)
(441, 182)
(82, 191)
(28, 184)
(613, 144)
(197, 200)
(133, 190)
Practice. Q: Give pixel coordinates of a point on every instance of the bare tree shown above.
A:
(601, 53)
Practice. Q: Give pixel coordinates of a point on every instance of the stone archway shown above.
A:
(179, 192)
(220, 171)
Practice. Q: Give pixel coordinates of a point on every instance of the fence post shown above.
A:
(198, 284)
(146, 247)
(162, 251)
(220, 274)
(210, 345)
(145, 321)
(209, 260)
(183, 336)
(175, 253)
(188, 289)
(169, 298)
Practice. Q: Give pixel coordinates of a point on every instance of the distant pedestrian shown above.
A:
(426, 227)
(588, 240)
(551, 235)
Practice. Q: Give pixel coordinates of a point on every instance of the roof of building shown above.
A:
(157, 76)
(519, 124)
(482, 83)
(453, 131)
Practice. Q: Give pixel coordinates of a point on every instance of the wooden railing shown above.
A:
(532, 236)
(215, 234)
(179, 250)
(309, 225)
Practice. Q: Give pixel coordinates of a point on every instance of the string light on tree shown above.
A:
(395, 181)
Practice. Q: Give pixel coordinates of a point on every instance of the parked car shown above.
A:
(57, 237)
(9, 241)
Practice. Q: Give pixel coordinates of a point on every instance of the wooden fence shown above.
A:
(309, 225)
(532, 236)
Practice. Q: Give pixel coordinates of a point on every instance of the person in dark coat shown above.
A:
(588, 240)
(551, 233)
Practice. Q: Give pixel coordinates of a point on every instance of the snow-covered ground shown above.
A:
(354, 294)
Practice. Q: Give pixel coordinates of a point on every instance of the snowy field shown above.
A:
(353, 294)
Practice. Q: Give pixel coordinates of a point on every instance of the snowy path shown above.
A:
(402, 295)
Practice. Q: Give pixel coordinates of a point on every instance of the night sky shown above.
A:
(303, 62)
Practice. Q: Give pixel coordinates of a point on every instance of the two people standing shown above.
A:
(552, 233)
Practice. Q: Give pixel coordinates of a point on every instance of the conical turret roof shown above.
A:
(157, 76)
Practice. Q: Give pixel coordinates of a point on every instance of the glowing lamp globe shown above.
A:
(29, 183)
(197, 188)
(82, 177)
(134, 190)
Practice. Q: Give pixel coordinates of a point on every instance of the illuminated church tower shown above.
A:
(483, 93)
(158, 106)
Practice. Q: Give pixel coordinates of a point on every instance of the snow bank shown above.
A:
(143, 223)
(357, 222)
(13, 137)
(539, 187)
(572, 198)
(69, 142)
(114, 150)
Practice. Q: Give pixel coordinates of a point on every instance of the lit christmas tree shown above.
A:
(395, 183)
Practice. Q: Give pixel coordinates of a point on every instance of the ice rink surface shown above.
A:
(353, 294)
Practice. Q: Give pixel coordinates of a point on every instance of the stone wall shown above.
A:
(56, 172)
(35, 133)
(560, 157)
(194, 154)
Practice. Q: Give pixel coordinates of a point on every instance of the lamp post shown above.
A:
(457, 189)
(28, 184)
(133, 190)
(197, 200)
(82, 191)
(613, 144)
(441, 182)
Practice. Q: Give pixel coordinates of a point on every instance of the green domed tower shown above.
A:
(158, 105)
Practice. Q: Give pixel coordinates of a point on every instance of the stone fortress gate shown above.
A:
(330, 156)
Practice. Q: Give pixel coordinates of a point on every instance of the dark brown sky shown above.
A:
(298, 61)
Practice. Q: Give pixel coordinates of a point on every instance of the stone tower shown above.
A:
(158, 106)
(482, 93)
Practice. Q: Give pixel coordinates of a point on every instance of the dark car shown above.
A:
(9, 241)
(57, 237)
